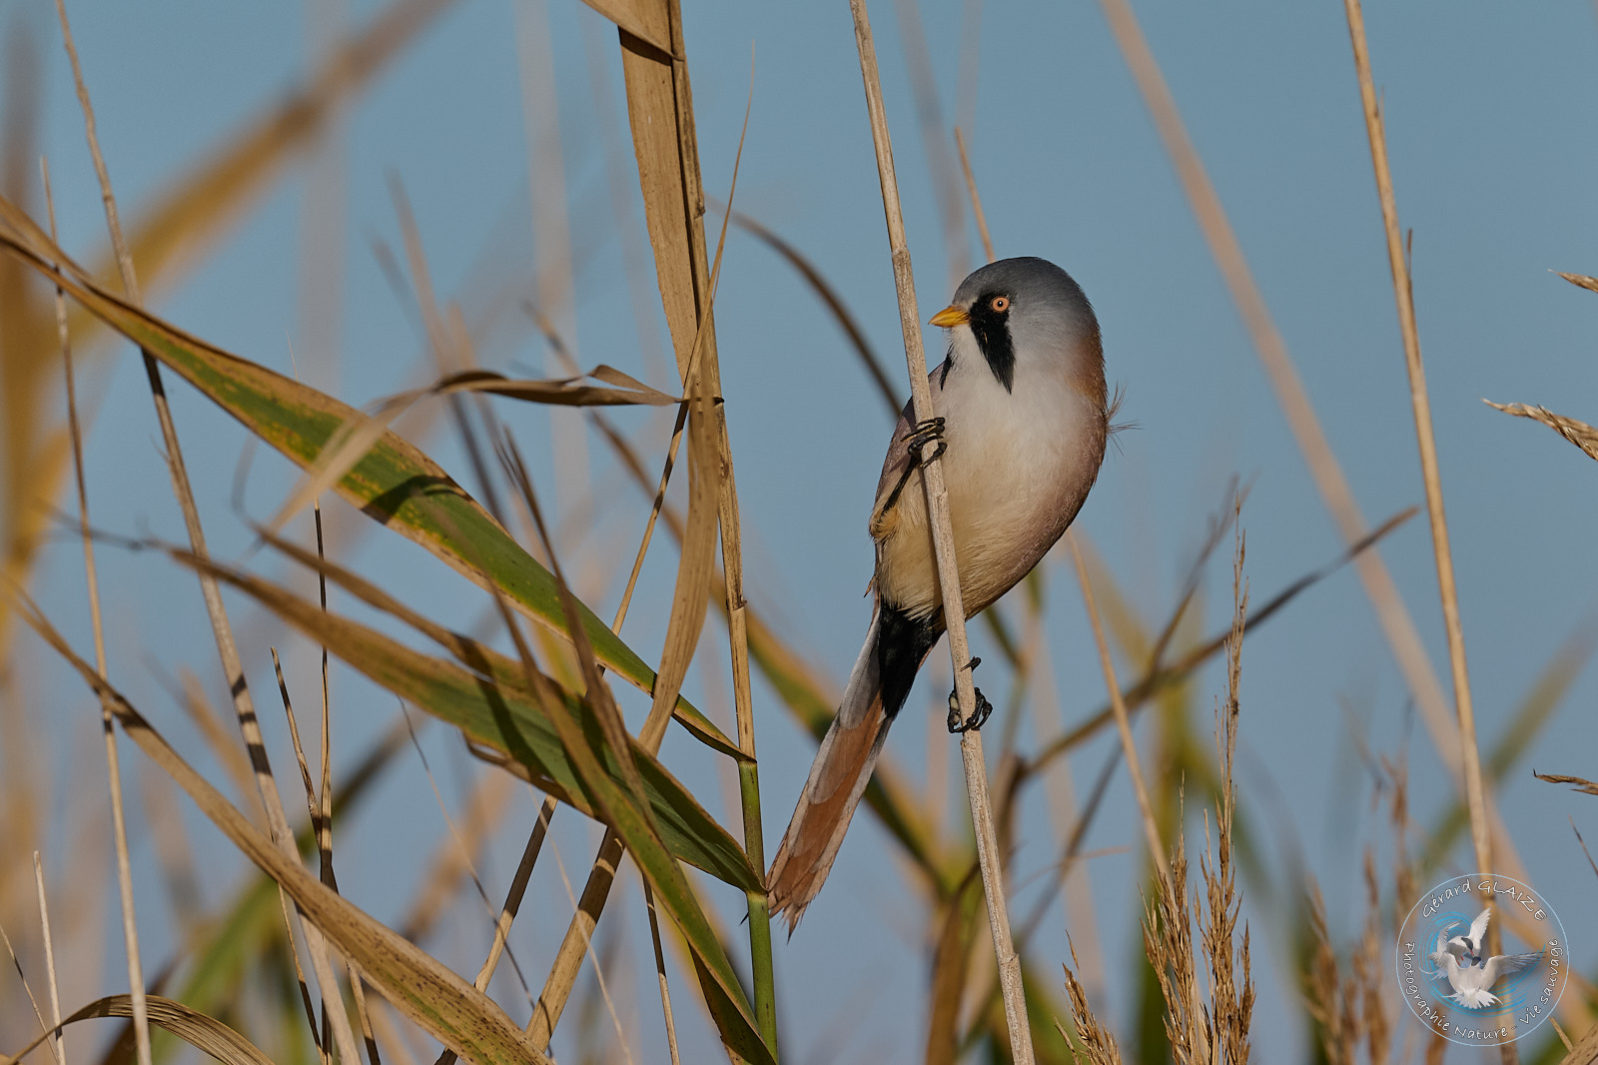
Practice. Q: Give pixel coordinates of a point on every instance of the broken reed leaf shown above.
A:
(504, 719)
(644, 19)
(1580, 280)
(1581, 434)
(203, 1033)
(1581, 784)
(498, 667)
(353, 439)
(616, 793)
(231, 943)
(417, 984)
(394, 482)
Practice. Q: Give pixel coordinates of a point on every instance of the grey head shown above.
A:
(1027, 310)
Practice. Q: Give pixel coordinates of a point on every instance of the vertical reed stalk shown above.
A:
(1420, 402)
(1009, 963)
(130, 926)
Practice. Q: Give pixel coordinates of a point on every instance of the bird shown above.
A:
(1467, 948)
(1021, 418)
(1472, 983)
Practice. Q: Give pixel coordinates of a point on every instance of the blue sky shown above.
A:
(1489, 134)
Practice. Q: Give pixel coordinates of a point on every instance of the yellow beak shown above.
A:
(950, 317)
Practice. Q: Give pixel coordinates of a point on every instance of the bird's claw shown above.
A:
(922, 434)
(979, 716)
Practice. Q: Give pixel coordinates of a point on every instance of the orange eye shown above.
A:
(999, 304)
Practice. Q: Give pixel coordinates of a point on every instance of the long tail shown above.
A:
(838, 779)
(894, 650)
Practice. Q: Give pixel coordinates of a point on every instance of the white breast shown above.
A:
(1018, 466)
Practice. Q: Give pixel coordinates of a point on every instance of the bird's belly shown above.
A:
(1017, 471)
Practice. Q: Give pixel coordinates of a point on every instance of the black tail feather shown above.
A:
(902, 645)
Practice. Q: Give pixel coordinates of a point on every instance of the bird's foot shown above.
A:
(979, 716)
(922, 434)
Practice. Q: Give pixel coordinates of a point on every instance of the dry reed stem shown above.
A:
(322, 818)
(586, 931)
(130, 929)
(929, 116)
(227, 649)
(1009, 963)
(660, 975)
(1077, 886)
(551, 229)
(976, 201)
(482, 810)
(44, 1026)
(466, 847)
(1403, 294)
(188, 691)
(1393, 615)
(514, 895)
(318, 1034)
(1123, 725)
(58, 1040)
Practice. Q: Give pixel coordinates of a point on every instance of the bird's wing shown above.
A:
(1507, 965)
(893, 473)
(1442, 943)
(898, 474)
(1478, 928)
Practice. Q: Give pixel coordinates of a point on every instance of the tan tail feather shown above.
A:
(837, 781)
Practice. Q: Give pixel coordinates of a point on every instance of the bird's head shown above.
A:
(1029, 314)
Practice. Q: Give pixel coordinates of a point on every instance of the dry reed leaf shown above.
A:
(1581, 434)
(239, 933)
(481, 658)
(505, 720)
(204, 1033)
(636, 827)
(644, 19)
(357, 436)
(394, 482)
(447, 1007)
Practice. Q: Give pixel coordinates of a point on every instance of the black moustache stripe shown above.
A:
(992, 329)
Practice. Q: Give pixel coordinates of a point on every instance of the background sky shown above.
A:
(501, 106)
